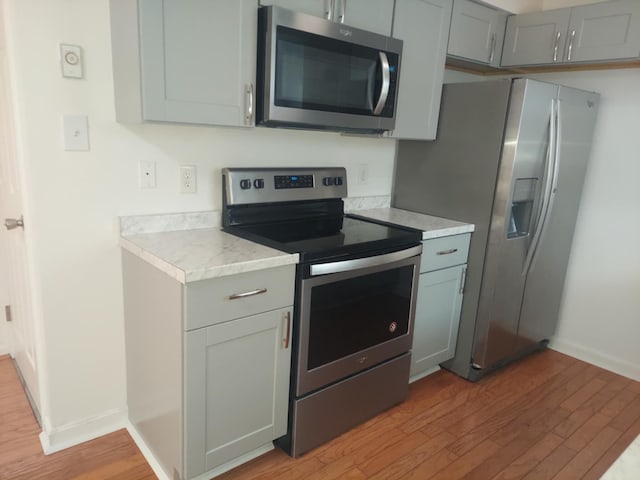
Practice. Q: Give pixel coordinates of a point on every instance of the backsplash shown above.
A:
(137, 224)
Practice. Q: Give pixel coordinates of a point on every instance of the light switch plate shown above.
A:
(75, 129)
(71, 61)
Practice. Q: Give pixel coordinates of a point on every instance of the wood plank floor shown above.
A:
(547, 417)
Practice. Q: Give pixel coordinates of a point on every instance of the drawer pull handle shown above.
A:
(285, 340)
(236, 296)
(447, 252)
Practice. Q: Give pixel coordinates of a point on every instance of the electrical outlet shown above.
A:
(187, 179)
(147, 174)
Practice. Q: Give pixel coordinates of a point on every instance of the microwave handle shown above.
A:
(386, 82)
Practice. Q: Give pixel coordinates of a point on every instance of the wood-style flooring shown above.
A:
(547, 416)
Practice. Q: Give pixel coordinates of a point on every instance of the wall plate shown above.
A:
(71, 60)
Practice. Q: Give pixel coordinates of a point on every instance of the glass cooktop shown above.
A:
(328, 238)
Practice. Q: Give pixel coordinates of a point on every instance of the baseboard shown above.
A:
(54, 439)
(602, 360)
(146, 452)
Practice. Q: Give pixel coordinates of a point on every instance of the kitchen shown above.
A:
(79, 326)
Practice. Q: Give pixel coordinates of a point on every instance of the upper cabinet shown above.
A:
(477, 33)
(372, 15)
(188, 61)
(423, 25)
(589, 33)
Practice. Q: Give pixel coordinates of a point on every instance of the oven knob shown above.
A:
(337, 181)
(327, 181)
(258, 183)
(245, 184)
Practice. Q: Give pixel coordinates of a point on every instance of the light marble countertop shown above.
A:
(196, 249)
(198, 254)
(432, 227)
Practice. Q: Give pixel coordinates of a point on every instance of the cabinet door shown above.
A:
(318, 8)
(198, 60)
(373, 15)
(236, 388)
(477, 32)
(423, 25)
(437, 318)
(604, 31)
(535, 38)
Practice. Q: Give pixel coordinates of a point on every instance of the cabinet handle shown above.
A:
(248, 92)
(492, 53)
(343, 11)
(236, 296)
(463, 279)
(555, 47)
(571, 37)
(328, 9)
(447, 252)
(285, 340)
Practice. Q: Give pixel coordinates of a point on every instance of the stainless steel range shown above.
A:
(355, 295)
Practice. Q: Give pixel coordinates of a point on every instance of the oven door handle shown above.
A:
(358, 263)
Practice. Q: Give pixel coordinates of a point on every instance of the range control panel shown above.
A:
(264, 185)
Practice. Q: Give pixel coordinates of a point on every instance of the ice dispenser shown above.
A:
(522, 203)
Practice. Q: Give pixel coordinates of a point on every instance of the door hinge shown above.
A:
(7, 313)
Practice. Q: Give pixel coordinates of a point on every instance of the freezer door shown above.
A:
(521, 199)
(576, 118)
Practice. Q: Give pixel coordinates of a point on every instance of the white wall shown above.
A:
(77, 196)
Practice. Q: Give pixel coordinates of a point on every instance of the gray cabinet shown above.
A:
(372, 15)
(188, 61)
(423, 25)
(207, 369)
(440, 291)
(589, 33)
(237, 388)
(477, 33)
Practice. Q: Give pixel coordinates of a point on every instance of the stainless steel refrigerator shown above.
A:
(510, 157)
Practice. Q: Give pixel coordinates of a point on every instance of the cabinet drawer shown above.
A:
(221, 299)
(444, 252)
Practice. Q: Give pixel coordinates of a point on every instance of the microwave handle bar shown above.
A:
(386, 81)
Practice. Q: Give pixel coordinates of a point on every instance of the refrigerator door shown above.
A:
(576, 118)
(519, 206)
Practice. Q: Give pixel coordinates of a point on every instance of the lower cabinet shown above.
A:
(236, 388)
(207, 398)
(440, 291)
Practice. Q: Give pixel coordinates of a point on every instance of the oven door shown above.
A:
(317, 73)
(355, 314)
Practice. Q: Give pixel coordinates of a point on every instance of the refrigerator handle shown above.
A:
(546, 191)
(554, 182)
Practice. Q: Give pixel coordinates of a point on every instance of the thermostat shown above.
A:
(71, 61)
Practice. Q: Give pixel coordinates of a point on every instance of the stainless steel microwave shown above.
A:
(317, 74)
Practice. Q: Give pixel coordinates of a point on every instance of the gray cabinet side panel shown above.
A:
(153, 310)
(423, 25)
(455, 176)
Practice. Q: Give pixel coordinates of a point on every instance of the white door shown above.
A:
(15, 271)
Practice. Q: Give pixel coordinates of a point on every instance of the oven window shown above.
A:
(351, 315)
(319, 73)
